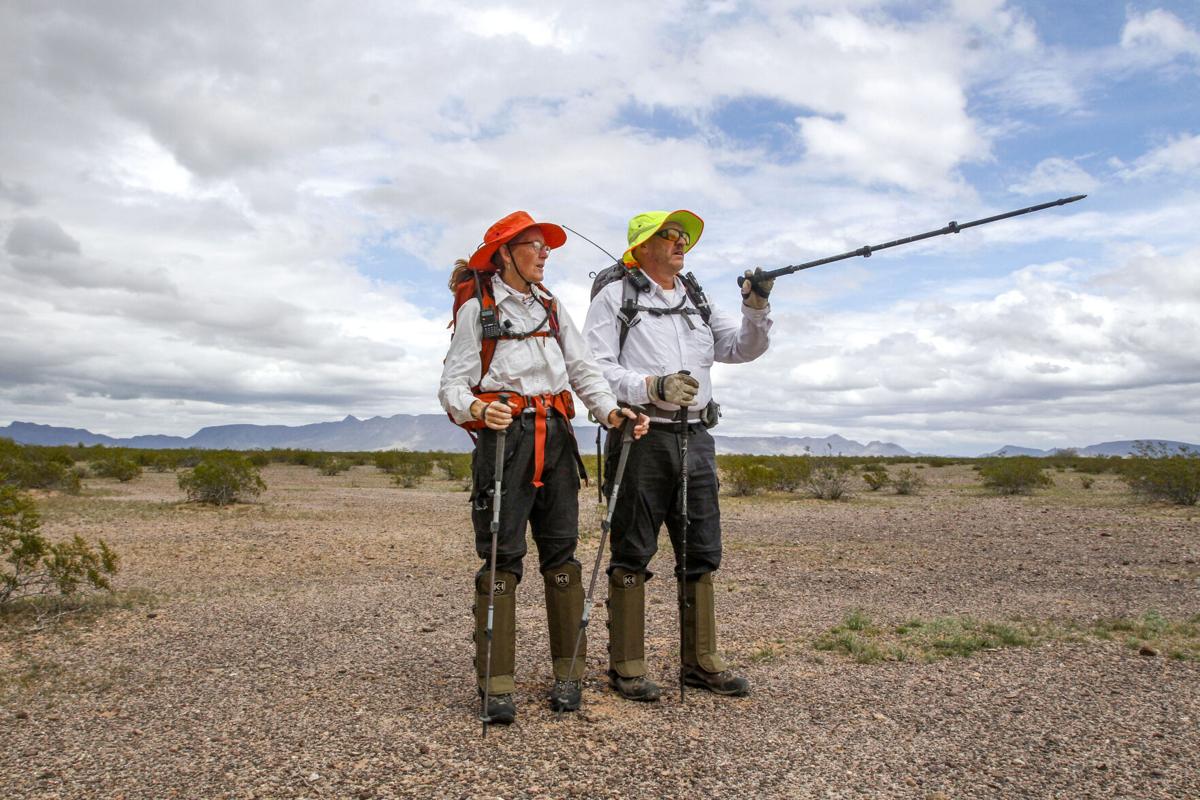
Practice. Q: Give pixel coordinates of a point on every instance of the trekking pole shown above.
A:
(683, 501)
(605, 527)
(953, 227)
(599, 467)
(501, 435)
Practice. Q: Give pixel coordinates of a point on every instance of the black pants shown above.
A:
(650, 496)
(551, 512)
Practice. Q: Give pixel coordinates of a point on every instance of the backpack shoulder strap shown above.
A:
(489, 324)
(696, 295)
(633, 282)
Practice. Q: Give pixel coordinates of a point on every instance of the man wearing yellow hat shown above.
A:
(656, 337)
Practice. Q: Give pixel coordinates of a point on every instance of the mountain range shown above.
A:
(1122, 448)
(436, 432)
(401, 432)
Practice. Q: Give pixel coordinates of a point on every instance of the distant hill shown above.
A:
(1123, 448)
(402, 432)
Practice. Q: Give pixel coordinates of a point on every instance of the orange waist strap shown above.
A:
(541, 404)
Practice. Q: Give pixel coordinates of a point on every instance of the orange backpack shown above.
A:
(478, 284)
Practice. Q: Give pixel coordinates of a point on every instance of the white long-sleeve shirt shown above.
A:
(660, 345)
(538, 365)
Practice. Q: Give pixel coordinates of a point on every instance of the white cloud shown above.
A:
(1179, 156)
(207, 177)
(1052, 175)
(1159, 32)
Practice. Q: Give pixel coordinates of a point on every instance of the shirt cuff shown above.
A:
(461, 412)
(756, 314)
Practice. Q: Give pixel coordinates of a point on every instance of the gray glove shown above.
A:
(755, 290)
(678, 389)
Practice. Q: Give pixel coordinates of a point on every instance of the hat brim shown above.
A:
(554, 236)
(692, 225)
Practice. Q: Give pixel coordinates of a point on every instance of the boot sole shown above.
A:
(637, 698)
(699, 684)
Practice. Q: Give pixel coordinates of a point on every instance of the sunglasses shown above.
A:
(540, 247)
(673, 235)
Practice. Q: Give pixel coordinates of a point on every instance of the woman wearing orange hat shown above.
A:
(512, 338)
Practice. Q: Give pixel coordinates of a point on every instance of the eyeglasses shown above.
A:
(540, 247)
(674, 235)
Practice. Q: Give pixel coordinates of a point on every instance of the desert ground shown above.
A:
(315, 643)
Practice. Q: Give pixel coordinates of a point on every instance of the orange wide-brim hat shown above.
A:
(507, 229)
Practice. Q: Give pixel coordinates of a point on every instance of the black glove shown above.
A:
(756, 290)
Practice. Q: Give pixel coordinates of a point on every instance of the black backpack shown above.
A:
(635, 283)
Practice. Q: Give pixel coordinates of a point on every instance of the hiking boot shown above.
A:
(501, 710)
(565, 696)
(726, 682)
(636, 688)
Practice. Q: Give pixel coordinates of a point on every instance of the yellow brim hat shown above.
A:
(643, 226)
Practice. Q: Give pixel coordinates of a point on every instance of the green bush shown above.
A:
(31, 467)
(458, 468)
(876, 476)
(746, 475)
(222, 478)
(1159, 475)
(116, 465)
(908, 482)
(791, 472)
(1014, 475)
(31, 566)
(829, 479)
(406, 468)
(332, 465)
(408, 473)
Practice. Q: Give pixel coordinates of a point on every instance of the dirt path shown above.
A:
(316, 644)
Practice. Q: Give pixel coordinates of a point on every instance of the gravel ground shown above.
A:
(316, 644)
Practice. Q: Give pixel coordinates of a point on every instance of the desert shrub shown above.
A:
(1014, 475)
(187, 459)
(1158, 474)
(161, 462)
(791, 472)
(408, 473)
(1086, 481)
(307, 458)
(908, 482)
(259, 458)
(829, 479)
(406, 468)
(1094, 465)
(458, 467)
(332, 465)
(746, 475)
(32, 566)
(116, 465)
(222, 478)
(876, 476)
(30, 467)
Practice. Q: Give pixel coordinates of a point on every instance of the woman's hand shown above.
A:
(495, 415)
(617, 417)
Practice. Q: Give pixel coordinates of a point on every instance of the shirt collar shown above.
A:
(500, 290)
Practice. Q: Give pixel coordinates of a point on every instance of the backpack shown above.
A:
(636, 282)
(478, 285)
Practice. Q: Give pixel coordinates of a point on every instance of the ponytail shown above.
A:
(459, 274)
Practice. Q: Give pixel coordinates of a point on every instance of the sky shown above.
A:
(229, 212)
